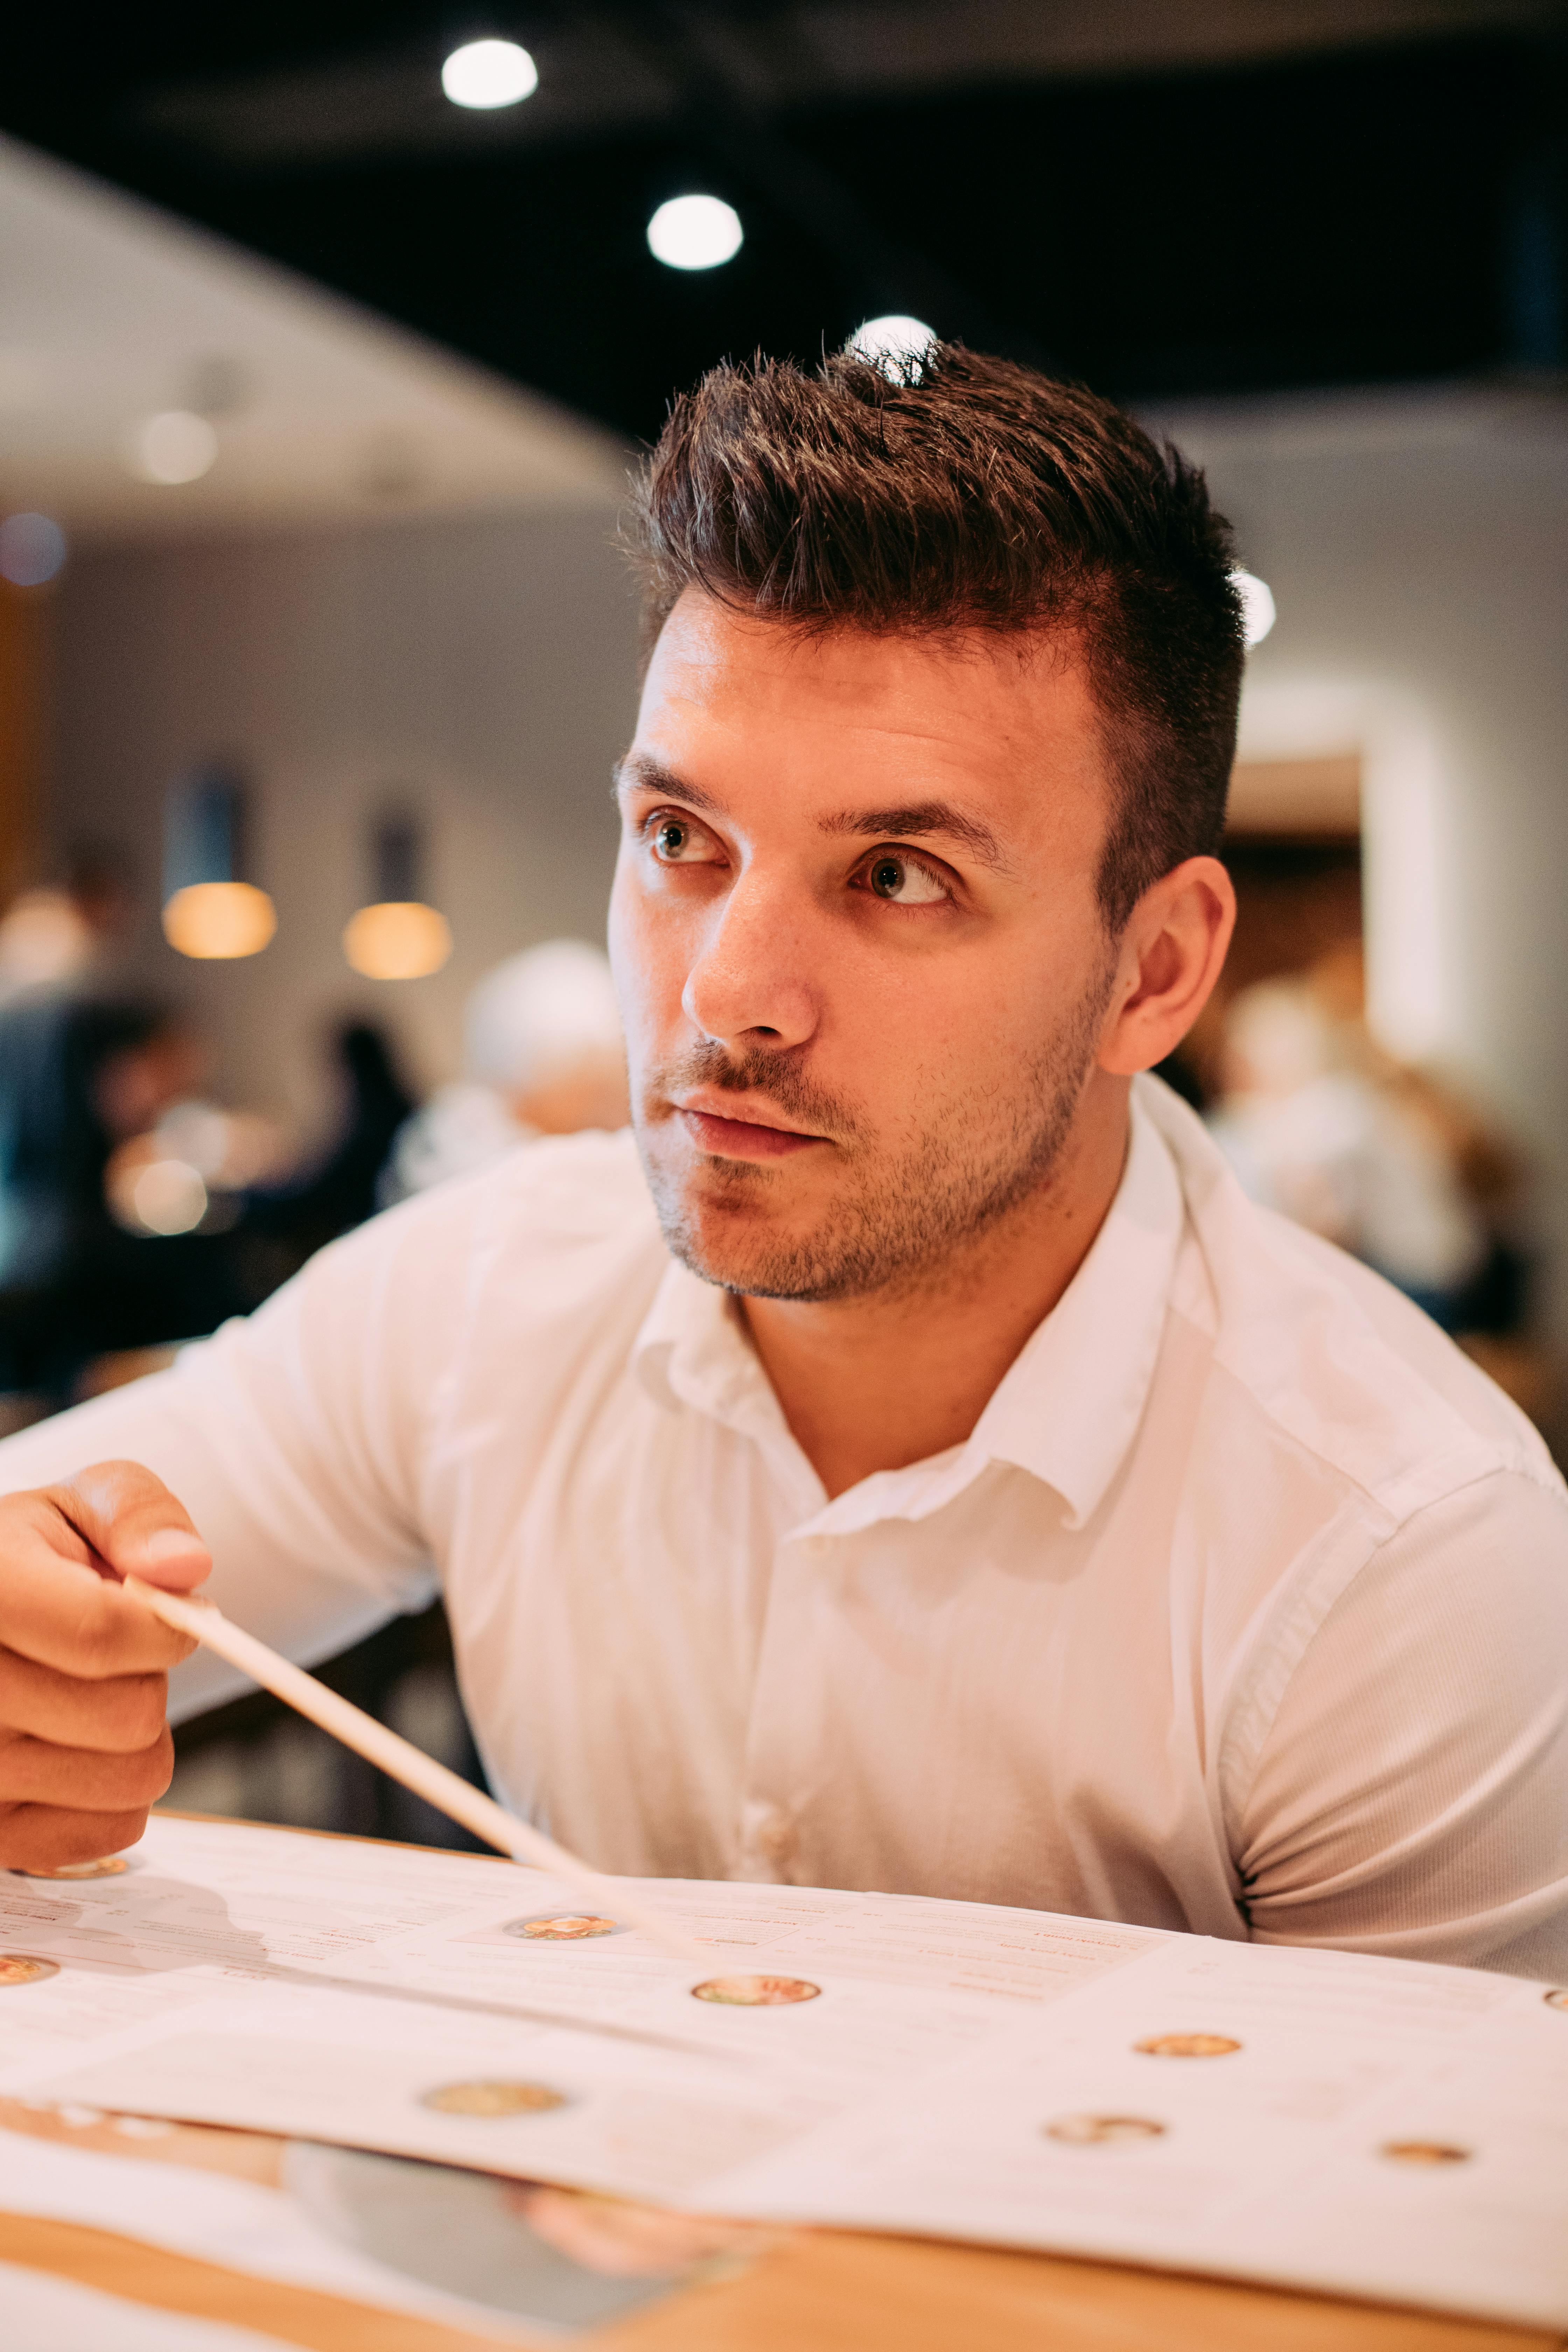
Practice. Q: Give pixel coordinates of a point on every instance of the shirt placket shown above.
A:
(788, 1698)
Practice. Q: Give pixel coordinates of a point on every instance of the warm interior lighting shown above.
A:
(169, 1197)
(695, 232)
(485, 74)
(898, 338)
(214, 919)
(1257, 606)
(397, 939)
(175, 445)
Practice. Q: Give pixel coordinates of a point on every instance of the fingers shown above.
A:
(55, 1606)
(46, 1837)
(83, 1779)
(132, 1521)
(60, 1613)
(84, 1750)
(118, 1714)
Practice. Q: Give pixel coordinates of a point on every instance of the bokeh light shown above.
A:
(219, 921)
(169, 1197)
(896, 338)
(399, 939)
(695, 232)
(175, 445)
(1257, 614)
(485, 74)
(32, 550)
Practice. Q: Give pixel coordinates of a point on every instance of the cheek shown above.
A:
(649, 959)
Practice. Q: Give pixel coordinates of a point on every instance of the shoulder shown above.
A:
(1327, 1357)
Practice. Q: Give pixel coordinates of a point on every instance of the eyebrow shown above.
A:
(638, 774)
(916, 820)
(920, 818)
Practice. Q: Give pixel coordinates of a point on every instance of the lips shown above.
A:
(726, 1138)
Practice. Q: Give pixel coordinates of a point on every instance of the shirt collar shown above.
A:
(1069, 1408)
(1065, 1411)
(691, 1352)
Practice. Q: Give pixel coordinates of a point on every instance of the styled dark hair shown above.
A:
(955, 491)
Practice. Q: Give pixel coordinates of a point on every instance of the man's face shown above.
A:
(855, 935)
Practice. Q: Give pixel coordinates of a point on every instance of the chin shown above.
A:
(726, 1220)
(734, 1243)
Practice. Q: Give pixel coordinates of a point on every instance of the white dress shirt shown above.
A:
(1245, 1608)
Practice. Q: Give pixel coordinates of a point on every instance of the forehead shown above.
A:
(735, 702)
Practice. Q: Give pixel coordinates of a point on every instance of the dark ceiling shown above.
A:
(1163, 196)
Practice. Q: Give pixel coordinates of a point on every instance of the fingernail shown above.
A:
(171, 1543)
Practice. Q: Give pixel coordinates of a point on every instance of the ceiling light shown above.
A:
(896, 338)
(695, 232)
(397, 939)
(1257, 606)
(485, 74)
(175, 445)
(32, 550)
(217, 921)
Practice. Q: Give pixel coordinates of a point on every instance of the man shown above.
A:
(950, 1483)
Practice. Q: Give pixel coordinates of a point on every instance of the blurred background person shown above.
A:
(543, 1055)
(1321, 1123)
(282, 1224)
(79, 1077)
(65, 934)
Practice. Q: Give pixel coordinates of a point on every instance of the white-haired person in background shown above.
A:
(543, 1055)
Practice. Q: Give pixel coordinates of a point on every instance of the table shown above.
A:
(810, 2290)
(820, 2292)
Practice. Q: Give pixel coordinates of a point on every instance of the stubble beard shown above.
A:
(905, 1217)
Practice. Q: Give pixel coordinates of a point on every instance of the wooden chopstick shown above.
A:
(400, 1759)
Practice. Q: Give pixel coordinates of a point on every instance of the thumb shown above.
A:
(134, 1525)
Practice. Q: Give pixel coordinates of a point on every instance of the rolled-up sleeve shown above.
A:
(1411, 1797)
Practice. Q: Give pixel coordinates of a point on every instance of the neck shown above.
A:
(877, 1383)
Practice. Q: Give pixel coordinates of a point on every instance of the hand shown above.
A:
(84, 1747)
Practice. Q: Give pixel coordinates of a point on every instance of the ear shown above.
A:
(1170, 955)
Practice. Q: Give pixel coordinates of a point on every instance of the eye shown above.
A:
(904, 880)
(680, 840)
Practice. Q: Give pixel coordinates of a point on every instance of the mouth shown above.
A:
(739, 1134)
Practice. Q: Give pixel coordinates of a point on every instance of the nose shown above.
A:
(748, 985)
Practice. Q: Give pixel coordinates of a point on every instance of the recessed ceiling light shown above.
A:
(175, 445)
(485, 74)
(695, 232)
(897, 337)
(1257, 606)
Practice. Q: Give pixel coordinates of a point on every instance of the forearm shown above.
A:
(306, 1552)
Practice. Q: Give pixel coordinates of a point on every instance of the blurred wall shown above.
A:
(482, 668)
(1416, 544)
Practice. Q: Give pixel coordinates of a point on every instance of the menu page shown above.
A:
(1313, 2118)
(453, 2008)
